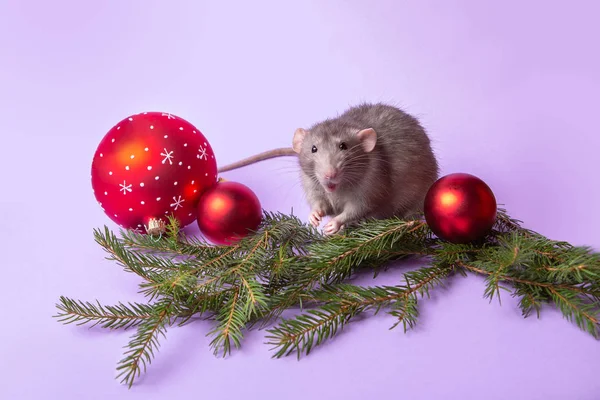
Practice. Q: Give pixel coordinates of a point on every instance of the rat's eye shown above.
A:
(343, 146)
(314, 149)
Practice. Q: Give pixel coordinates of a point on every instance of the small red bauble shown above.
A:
(149, 166)
(460, 208)
(227, 212)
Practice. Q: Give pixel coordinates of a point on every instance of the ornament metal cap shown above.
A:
(155, 227)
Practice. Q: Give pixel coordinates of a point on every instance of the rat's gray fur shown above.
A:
(391, 180)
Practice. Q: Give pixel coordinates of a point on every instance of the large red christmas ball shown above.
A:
(460, 208)
(228, 212)
(152, 165)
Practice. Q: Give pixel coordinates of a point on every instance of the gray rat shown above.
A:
(372, 161)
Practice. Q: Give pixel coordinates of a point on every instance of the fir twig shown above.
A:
(288, 264)
(343, 302)
(120, 316)
(574, 309)
(144, 343)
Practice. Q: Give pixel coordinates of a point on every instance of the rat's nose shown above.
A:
(331, 174)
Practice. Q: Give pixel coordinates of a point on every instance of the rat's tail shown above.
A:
(286, 151)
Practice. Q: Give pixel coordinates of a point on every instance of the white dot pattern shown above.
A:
(153, 143)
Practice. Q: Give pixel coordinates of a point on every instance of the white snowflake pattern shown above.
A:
(125, 187)
(177, 202)
(202, 151)
(168, 155)
(168, 115)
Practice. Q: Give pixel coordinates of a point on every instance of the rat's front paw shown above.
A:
(333, 227)
(315, 217)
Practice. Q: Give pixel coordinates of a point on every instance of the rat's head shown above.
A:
(333, 154)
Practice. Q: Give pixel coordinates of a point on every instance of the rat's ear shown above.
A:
(299, 136)
(368, 138)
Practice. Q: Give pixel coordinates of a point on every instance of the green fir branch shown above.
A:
(231, 319)
(575, 309)
(310, 329)
(343, 302)
(145, 343)
(286, 264)
(406, 311)
(119, 316)
(336, 259)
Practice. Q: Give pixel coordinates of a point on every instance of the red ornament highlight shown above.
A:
(460, 208)
(228, 212)
(149, 166)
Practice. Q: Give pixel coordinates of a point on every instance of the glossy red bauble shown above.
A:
(228, 212)
(149, 166)
(460, 208)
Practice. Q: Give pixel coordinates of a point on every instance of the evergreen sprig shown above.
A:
(119, 316)
(288, 265)
(145, 342)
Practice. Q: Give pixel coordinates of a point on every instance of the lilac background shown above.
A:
(508, 91)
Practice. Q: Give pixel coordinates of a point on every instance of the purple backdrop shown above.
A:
(509, 92)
